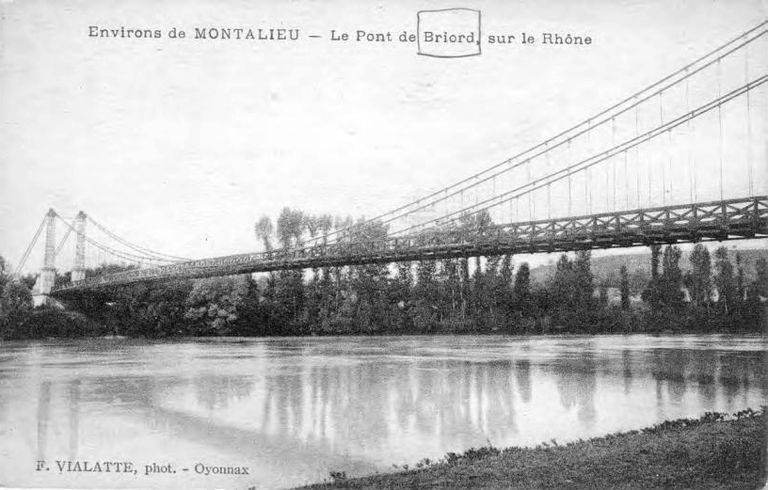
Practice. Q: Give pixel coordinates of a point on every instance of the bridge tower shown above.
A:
(78, 270)
(47, 275)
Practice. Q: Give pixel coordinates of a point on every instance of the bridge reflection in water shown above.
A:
(294, 409)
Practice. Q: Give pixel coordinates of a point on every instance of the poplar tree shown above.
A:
(740, 285)
(761, 280)
(624, 287)
(522, 289)
(671, 281)
(505, 286)
(699, 280)
(583, 287)
(726, 286)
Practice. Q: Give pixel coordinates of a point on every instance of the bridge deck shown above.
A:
(718, 220)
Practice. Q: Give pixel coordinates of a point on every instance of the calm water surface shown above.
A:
(293, 409)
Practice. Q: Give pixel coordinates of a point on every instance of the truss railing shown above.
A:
(716, 220)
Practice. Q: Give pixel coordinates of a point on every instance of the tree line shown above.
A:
(463, 295)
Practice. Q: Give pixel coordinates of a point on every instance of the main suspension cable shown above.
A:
(136, 248)
(113, 251)
(475, 180)
(31, 245)
(598, 158)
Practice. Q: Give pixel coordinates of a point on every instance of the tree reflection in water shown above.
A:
(297, 406)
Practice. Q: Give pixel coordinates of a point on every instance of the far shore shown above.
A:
(242, 338)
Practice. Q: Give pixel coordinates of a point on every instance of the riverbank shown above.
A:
(425, 297)
(50, 323)
(714, 451)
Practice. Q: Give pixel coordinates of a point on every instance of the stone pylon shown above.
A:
(47, 276)
(78, 270)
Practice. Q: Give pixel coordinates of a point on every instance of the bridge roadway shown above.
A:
(716, 220)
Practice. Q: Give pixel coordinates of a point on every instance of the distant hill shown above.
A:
(606, 268)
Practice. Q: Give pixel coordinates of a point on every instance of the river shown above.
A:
(290, 410)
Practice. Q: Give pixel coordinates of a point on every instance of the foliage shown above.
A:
(699, 279)
(15, 308)
(457, 295)
(212, 306)
(47, 322)
(671, 281)
(624, 287)
(726, 284)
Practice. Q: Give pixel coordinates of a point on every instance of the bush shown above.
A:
(51, 322)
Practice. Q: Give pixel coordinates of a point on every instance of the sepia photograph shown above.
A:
(321, 244)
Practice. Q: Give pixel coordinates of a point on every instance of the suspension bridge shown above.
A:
(683, 159)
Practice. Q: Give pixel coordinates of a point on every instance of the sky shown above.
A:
(181, 145)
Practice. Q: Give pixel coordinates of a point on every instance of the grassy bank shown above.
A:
(714, 451)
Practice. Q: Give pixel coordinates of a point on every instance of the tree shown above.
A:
(314, 296)
(603, 292)
(465, 289)
(624, 287)
(494, 292)
(401, 295)
(572, 285)
(478, 295)
(213, 304)
(652, 293)
(325, 223)
(655, 255)
(4, 277)
(506, 271)
(699, 279)
(425, 294)
(264, 231)
(761, 279)
(290, 227)
(726, 286)
(452, 286)
(583, 287)
(370, 281)
(474, 224)
(562, 286)
(312, 224)
(671, 280)
(522, 289)
(148, 310)
(251, 316)
(740, 285)
(505, 297)
(15, 308)
(289, 286)
(325, 293)
(754, 311)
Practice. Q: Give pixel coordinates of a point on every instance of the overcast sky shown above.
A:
(180, 145)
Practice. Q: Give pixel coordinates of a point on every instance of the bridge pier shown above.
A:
(47, 278)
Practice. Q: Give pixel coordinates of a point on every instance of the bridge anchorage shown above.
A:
(682, 160)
